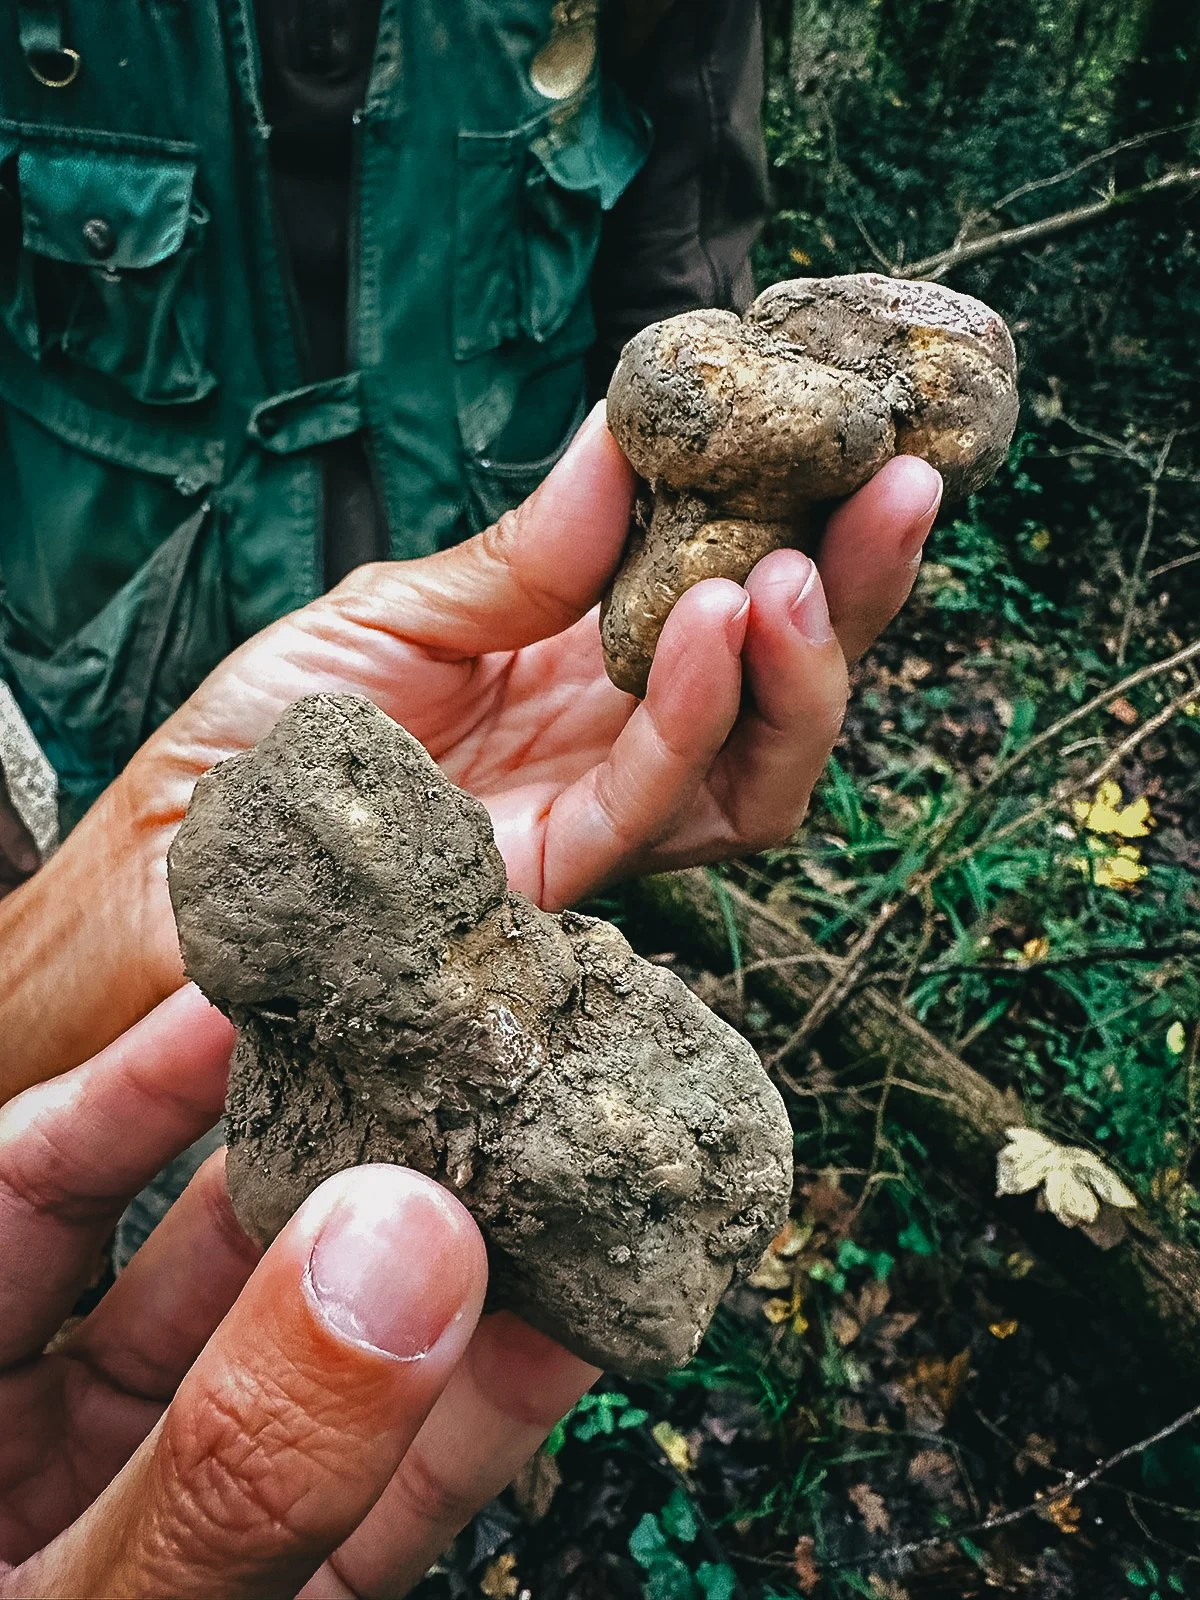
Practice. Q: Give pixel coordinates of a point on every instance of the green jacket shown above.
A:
(159, 497)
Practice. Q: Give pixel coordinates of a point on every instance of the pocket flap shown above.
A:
(115, 209)
(602, 156)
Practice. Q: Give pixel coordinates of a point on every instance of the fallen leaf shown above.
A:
(500, 1581)
(1177, 1038)
(871, 1507)
(1035, 949)
(1064, 1514)
(1123, 711)
(843, 1327)
(935, 1471)
(804, 1565)
(771, 1273)
(1072, 1183)
(1123, 869)
(674, 1446)
(941, 1380)
(535, 1486)
(1106, 815)
(1005, 1329)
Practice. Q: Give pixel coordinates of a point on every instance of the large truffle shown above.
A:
(345, 905)
(740, 426)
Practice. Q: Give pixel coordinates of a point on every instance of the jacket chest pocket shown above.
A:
(101, 263)
(530, 207)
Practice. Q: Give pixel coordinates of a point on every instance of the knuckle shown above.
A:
(238, 1485)
(429, 1496)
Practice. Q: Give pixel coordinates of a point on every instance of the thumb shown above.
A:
(532, 574)
(299, 1410)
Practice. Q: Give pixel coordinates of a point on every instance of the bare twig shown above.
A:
(1066, 1488)
(1110, 206)
(1134, 143)
(1172, 566)
(1133, 588)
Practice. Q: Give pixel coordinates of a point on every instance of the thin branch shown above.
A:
(1172, 566)
(1135, 578)
(1135, 143)
(1068, 1486)
(1048, 227)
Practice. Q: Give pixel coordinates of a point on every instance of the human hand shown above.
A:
(318, 1422)
(490, 654)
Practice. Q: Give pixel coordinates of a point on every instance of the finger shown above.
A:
(153, 1323)
(506, 1394)
(301, 1408)
(795, 675)
(628, 802)
(871, 550)
(75, 1150)
(528, 577)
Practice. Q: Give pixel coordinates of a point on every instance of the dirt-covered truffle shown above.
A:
(346, 906)
(739, 426)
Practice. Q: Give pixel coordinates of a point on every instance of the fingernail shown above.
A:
(735, 628)
(809, 611)
(919, 531)
(391, 1267)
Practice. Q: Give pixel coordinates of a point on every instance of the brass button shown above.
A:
(100, 238)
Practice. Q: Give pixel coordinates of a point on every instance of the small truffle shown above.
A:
(739, 426)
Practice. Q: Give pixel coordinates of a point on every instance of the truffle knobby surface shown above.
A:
(739, 426)
(346, 906)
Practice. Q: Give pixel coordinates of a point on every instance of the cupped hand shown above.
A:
(319, 1421)
(490, 654)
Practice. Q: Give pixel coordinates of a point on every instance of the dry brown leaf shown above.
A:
(871, 1508)
(500, 1581)
(804, 1565)
(772, 1273)
(535, 1486)
(935, 1471)
(873, 1300)
(1005, 1329)
(1123, 711)
(843, 1327)
(1035, 1452)
(940, 1379)
(1064, 1514)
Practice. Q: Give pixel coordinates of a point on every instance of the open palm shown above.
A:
(490, 655)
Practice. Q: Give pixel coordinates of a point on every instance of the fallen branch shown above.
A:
(1067, 1489)
(1150, 1280)
(1007, 239)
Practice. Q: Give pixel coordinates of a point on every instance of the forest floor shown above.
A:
(902, 1369)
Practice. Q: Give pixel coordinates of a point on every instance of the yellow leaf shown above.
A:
(500, 1581)
(674, 1446)
(1041, 539)
(1106, 815)
(1005, 1329)
(1177, 1038)
(801, 258)
(1036, 949)
(1121, 870)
